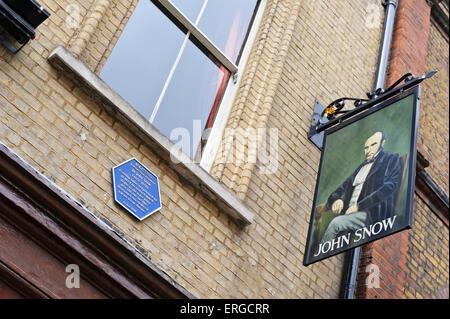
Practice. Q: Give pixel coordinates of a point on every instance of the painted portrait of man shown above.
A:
(369, 193)
(364, 188)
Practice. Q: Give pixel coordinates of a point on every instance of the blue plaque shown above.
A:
(136, 189)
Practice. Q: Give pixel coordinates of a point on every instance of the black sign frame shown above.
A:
(416, 93)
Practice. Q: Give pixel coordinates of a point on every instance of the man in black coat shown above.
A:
(368, 195)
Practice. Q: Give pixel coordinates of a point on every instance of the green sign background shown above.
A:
(344, 152)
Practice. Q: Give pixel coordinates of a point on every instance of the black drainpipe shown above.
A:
(383, 59)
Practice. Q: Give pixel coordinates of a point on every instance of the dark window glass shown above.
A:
(143, 56)
(196, 85)
(172, 85)
(226, 23)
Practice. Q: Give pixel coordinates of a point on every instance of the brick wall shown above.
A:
(323, 67)
(434, 113)
(304, 50)
(414, 264)
(109, 29)
(427, 256)
(56, 127)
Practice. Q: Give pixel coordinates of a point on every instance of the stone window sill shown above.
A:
(63, 60)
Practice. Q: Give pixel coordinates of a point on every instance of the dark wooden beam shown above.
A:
(66, 230)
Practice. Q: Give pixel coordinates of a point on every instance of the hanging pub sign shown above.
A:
(365, 184)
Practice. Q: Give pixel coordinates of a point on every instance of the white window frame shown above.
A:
(199, 35)
(216, 134)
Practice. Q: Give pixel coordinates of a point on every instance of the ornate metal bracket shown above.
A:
(325, 117)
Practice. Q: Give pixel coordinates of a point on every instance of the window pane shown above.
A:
(190, 8)
(196, 88)
(226, 23)
(142, 58)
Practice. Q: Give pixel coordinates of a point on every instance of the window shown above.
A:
(174, 60)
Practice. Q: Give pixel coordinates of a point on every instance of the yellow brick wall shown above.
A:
(316, 66)
(434, 113)
(107, 34)
(427, 256)
(328, 52)
(334, 55)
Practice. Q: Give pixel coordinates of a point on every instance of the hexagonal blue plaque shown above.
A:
(136, 188)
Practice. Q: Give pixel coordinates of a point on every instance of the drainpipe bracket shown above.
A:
(389, 2)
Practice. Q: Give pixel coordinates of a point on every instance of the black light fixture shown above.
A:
(19, 19)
